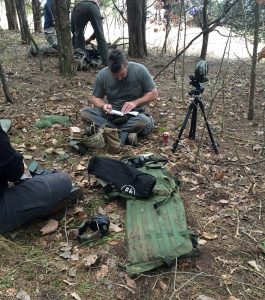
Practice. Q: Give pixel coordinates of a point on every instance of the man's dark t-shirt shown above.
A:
(11, 163)
(137, 83)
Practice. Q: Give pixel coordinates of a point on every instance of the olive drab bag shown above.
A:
(156, 227)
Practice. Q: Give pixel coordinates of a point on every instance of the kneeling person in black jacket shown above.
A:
(27, 198)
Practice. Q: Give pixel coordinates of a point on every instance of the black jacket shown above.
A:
(11, 163)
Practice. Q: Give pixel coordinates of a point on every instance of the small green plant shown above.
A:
(49, 120)
(6, 282)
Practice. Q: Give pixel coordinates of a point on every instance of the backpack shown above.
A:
(127, 179)
(156, 228)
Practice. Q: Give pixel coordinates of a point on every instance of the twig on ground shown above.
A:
(175, 277)
(65, 224)
(204, 275)
(260, 208)
(251, 189)
(263, 124)
(240, 139)
(252, 271)
(229, 292)
(2, 239)
(155, 283)
(250, 236)
(187, 282)
(222, 163)
(126, 287)
(237, 224)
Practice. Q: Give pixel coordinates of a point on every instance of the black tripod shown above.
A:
(193, 107)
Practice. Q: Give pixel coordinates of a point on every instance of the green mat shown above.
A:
(156, 236)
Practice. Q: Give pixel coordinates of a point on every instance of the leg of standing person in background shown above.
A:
(80, 19)
(32, 198)
(73, 27)
(96, 22)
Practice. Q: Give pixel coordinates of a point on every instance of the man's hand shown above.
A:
(128, 106)
(107, 107)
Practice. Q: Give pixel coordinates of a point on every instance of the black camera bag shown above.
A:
(124, 177)
(118, 120)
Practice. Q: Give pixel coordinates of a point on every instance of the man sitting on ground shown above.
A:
(29, 197)
(128, 86)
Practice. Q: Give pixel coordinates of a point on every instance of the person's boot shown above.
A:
(132, 139)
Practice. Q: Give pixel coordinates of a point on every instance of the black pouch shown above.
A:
(118, 120)
(125, 178)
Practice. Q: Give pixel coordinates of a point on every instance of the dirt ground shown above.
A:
(223, 194)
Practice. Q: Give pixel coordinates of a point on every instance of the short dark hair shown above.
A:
(116, 60)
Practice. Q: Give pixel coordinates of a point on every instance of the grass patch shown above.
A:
(49, 120)
(6, 282)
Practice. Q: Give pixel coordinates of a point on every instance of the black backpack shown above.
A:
(124, 177)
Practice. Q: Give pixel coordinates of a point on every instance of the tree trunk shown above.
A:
(23, 22)
(168, 28)
(60, 9)
(7, 93)
(136, 16)
(254, 63)
(205, 36)
(36, 9)
(11, 14)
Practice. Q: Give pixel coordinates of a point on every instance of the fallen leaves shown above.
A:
(75, 296)
(254, 265)
(90, 260)
(22, 295)
(50, 227)
(130, 282)
(102, 272)
(209, 235)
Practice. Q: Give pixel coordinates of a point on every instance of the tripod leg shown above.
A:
(214, 145)
(175, 145)
(193, 122)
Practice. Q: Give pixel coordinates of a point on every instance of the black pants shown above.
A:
(32, 198)
(81, 14)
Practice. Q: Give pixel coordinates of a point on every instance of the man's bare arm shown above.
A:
(100, 103)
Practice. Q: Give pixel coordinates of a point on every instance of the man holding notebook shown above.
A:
(121, 92)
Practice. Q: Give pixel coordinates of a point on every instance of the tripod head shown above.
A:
(199, 77)
(198, 86)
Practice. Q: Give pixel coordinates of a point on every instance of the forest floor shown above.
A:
(223, 194)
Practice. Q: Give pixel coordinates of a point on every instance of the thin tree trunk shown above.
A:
(26, 36)
(67, 64)
(136, 16)
(168, 28)
(7, 93)
(205, 36)
(178, 38)
(23, 22)
(36, 9)
(254, 63)
(11, 14)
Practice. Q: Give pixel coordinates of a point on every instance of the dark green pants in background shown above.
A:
(83, 13)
